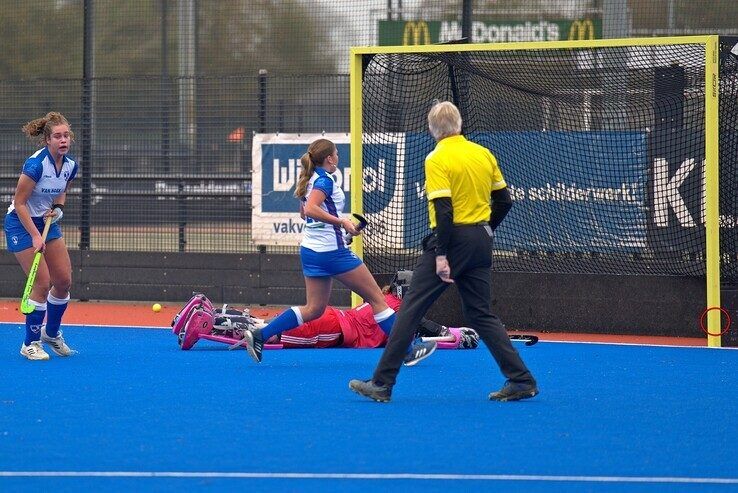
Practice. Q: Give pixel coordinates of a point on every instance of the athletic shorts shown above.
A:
(324, 264)
(18, 239)
(323, 332)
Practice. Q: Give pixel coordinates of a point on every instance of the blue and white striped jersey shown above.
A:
(41, 169)
(316, 235)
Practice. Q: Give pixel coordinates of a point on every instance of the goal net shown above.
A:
(620, 155)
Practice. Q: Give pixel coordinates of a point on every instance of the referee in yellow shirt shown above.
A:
(461, 179)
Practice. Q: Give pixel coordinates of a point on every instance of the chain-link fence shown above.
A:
(165, 95)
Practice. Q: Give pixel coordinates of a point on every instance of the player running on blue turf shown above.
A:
(41, 192)
(462, 178)
(324, 255)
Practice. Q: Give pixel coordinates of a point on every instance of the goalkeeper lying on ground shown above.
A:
(353, 328)
(356, 328)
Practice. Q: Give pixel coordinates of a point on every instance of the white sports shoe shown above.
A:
(57, 343)
(34, 351)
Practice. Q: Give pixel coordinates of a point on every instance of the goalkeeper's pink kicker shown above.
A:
(180, 318)
(198, 324)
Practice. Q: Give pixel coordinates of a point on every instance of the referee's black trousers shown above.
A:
(470, 258)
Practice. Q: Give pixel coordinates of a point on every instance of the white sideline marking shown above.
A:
(305, 475)
(603, 343)
(101, 326)
(545, 341)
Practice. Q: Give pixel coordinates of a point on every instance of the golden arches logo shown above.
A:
(417, 31)
(581, 30)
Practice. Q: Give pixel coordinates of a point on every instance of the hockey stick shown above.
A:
(448, 338)
(25, 306)
(529, 339)
(348, 238)
(362, 221)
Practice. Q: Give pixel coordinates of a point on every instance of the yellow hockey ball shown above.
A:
(156, 307)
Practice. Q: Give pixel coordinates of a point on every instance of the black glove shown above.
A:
(469, 338)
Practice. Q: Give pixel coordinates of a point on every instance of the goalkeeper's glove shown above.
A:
(469, 338)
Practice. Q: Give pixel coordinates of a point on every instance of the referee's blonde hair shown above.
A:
(444, 120)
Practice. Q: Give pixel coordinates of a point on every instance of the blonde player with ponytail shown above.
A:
(40, 193)
(324, 254)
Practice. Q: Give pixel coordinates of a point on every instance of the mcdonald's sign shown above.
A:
(422, 32)
(416, 33)
(581, 30)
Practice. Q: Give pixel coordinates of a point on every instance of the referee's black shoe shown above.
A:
(513, 391)
(367, 388)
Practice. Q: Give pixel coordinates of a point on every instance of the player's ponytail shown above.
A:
(39, 130)
(306, 171)
(315, 155)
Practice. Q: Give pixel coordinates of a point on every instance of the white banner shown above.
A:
(276, 168)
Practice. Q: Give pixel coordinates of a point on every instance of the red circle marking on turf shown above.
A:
(702, 321)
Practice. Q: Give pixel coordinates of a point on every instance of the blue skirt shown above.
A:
(324, 264)
(18, 239)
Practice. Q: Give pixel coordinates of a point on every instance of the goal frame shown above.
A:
(711, 198)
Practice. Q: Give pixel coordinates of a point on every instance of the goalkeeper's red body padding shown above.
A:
(323, 332)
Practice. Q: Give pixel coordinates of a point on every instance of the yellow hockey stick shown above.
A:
(25, 306)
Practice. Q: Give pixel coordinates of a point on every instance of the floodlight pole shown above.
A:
(466, 20)
(187, 40)
(164, 88)
(88, 72)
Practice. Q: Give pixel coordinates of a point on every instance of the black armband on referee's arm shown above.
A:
(444, 223)
(501, 204)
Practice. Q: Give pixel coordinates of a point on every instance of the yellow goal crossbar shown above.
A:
(712, 198)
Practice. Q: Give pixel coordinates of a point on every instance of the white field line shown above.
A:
(540, 341)
(367, 476)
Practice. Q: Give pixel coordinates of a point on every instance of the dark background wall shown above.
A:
(638, 305)
(643, 305)
(272, 279)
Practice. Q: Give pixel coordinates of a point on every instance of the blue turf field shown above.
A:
(133, 412)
